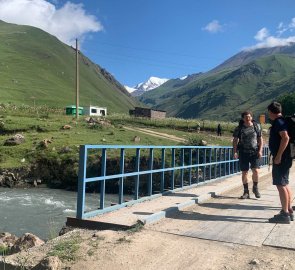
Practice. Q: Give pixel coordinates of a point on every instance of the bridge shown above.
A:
(184, 179)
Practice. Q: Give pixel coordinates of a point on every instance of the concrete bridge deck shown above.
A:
(211, 211)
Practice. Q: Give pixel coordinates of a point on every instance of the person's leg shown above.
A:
(290, 196)
(245, 177)
(284, 197)
(246, 194)
(280, 180)
(255, 176)
(255, 164)
(244, 166)
(284, 216)
(290, 208)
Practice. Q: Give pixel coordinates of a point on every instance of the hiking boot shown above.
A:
(291, 215)
(282, 218)
(256, 192)
(246, 195)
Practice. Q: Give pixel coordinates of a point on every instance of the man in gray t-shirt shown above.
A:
(247, 146)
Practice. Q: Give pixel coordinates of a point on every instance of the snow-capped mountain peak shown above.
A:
(151, 83)
(129, 89)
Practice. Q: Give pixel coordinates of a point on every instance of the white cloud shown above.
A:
(261, 34)
(281, 29)
(292, 24)
(213, 27)
(265, 40)
(66, 23)
(272, 41)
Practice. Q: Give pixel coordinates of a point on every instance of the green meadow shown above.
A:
(43, 123)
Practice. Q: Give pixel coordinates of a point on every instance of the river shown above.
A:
(41, 211)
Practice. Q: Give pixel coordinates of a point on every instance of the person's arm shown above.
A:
(260, 146)
(235, 147)
(282, 147)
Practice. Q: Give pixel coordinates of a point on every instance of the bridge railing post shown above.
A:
(172, 166)
(103, 173)
(81, 182)
(163, 173)
(137, 167)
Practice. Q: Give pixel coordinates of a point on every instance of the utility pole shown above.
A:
(77, 80)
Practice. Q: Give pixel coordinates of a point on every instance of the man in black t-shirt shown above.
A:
(247, 146)
(282, 162)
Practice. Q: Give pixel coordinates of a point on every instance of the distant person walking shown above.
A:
(247, 146)
(282, 162)
(219, 130)
(198, 127)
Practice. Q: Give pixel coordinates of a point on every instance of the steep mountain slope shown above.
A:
(229, 91)
(152, 98)
(35, 65)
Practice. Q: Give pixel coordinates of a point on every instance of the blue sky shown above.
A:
(137, 39)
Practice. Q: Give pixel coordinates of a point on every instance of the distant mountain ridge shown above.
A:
(151, 83)
(246, 56)
(248, 80)
(36, 67)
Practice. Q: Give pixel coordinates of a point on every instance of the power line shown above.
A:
(144, 61)
(155, 51)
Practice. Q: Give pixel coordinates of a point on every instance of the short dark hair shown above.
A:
(246, 113)
(275, 107)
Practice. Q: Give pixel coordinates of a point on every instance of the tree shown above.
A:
(288, 103)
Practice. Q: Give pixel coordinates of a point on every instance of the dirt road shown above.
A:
(157, 134)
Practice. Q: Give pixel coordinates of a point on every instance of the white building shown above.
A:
(95, 111)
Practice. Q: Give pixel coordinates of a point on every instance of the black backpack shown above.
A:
(290, 120)
(257, 129)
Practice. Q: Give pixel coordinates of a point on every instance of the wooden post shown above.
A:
(77, 80)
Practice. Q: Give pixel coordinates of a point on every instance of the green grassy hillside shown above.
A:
(37, 67)
(41, 123)
(228, 92)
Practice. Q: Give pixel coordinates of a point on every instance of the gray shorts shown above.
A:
(280, 173)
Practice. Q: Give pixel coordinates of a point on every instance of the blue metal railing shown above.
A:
(173, 167)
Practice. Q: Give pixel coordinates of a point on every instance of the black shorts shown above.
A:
(280, 172)
(247, 159)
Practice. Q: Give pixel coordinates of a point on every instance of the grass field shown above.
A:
(42, 123)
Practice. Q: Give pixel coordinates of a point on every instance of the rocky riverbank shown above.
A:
(15, 252)
(17, 178)
(47, 170)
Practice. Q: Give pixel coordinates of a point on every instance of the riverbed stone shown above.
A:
(49, 263)
(8, 179)
(203, 143)
(26, 241)
(7, 239)
(15, 140)
(45, 143)
(64, 230)
(136, 139)
(66, 127)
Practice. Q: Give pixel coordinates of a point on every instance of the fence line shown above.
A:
(140, 176)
